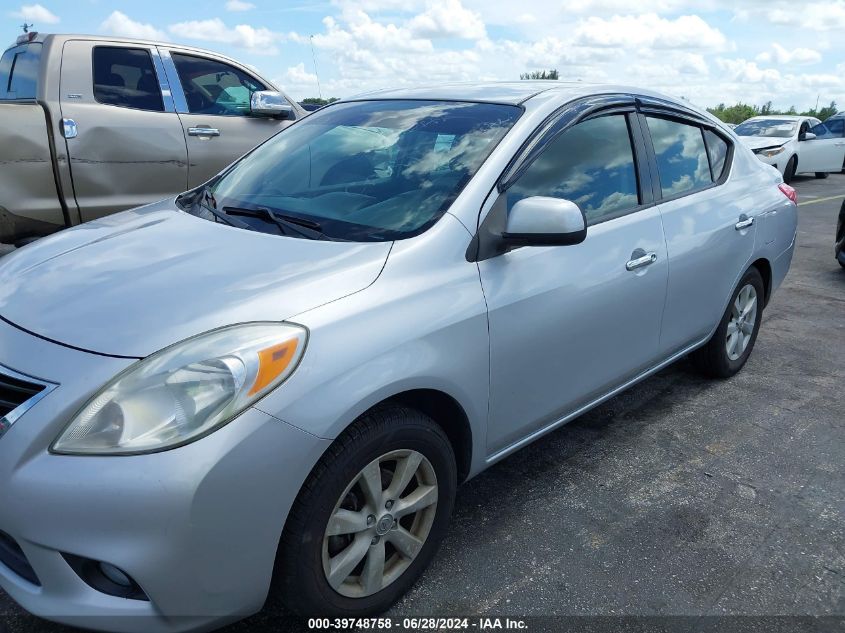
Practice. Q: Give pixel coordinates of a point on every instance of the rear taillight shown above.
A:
(789, 192)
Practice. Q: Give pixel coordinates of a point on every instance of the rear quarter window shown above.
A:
(19, 69)
(717, 152)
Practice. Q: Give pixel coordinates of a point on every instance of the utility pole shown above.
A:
(26, 27)
(817, 103)
(316, 73)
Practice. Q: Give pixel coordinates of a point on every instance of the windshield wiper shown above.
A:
(287, 223)
(206, 196)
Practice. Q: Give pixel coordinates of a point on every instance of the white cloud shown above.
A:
(238, 5)
(120, 24)
(257, 40)
(692, 64)
(814, 16)
(741, 70)
(37, 14)
(448, 18)
(783, 56)
(649, 30)
(362, 35)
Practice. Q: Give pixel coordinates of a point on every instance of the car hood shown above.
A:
(758, 142)
(133, 283)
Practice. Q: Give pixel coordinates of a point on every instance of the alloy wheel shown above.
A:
(741, 325)
(380, 523)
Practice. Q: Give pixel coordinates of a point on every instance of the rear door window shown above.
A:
(19, 69)
(126, 77)
(682, 160)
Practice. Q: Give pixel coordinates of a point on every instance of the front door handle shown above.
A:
(744, 222)
(640, 259)
(203, 131)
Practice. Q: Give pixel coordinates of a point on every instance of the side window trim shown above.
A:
(177, 92)
(167, 102)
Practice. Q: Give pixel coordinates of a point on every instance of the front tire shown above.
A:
(789, 171)
(821, 175)
(730, 346)
(370, 518)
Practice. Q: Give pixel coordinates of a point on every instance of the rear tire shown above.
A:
(821, 175)
(731, 344)
(325, 529)
(789, 171)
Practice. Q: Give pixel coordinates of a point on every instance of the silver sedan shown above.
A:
(283, 374)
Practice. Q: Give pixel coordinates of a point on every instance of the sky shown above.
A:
(709, 51)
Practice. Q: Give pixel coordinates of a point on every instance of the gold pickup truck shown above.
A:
(93, 125)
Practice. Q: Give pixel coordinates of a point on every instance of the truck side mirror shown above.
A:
(270, 103)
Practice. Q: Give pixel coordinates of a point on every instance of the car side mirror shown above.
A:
(542, 221)
(270, 103)
(807, 136)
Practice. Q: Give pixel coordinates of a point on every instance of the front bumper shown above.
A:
(196, 527)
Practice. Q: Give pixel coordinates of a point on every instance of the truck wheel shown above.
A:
(370, 518)
(731, 344)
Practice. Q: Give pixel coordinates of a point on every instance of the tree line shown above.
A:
(739, 112)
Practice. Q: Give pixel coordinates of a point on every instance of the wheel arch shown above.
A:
(447, 413)
(764, 267)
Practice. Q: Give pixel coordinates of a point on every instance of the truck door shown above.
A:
(213, 107)
(124, 139)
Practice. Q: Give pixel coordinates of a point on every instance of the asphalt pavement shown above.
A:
(681, 497)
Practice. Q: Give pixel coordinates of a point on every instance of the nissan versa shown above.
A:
(283, 374)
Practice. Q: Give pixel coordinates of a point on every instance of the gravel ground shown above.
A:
(681, 497)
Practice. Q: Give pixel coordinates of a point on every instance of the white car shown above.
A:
(795, 144)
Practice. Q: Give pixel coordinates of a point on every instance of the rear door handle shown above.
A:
(646, 259)
(744, 223)
(203, 131)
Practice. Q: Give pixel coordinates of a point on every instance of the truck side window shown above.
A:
(212, 87)
(19, 69)
(126, 77)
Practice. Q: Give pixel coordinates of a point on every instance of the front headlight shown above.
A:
(185, 391)
(772, 151)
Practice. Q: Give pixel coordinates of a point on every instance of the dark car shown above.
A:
(840, 237)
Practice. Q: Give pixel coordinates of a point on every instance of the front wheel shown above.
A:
(789, 170)
(822, 175)
(370, 517)
(730, 346)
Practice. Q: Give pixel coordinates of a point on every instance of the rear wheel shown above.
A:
(822, 174)
(370, 518)
(789, 171)
(729, 348)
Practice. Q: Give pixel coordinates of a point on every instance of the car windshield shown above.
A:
(777, 128)
(360, 171)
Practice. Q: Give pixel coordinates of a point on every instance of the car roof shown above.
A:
(504, 92)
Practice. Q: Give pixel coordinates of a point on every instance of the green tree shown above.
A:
(827, 112)
(541, 74)
(318, 101)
